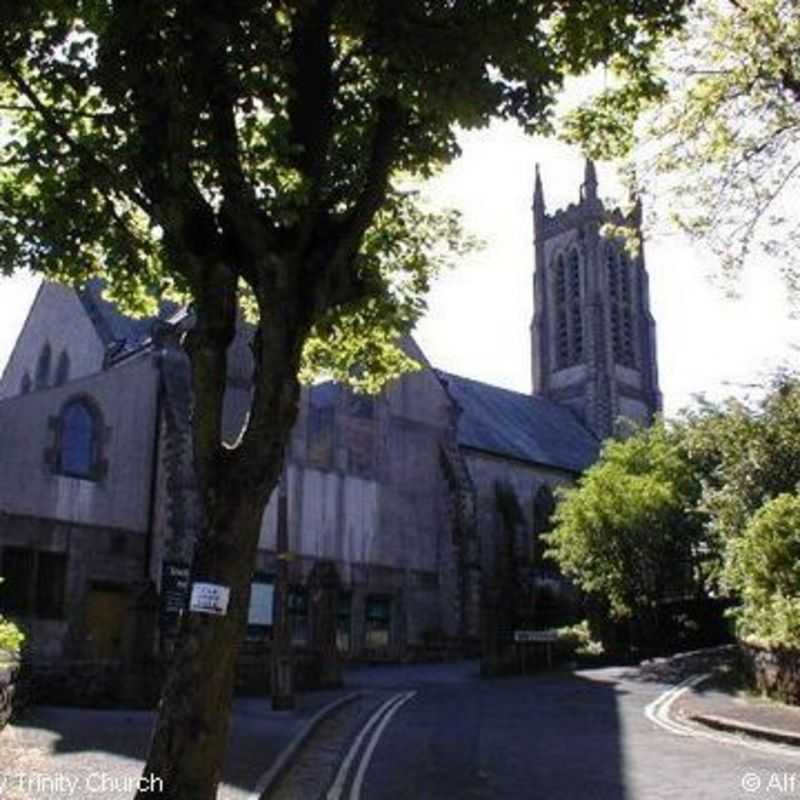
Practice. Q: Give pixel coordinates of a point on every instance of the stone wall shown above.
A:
(8, 675)
(125, 398)
(94, 555)
(774, 672)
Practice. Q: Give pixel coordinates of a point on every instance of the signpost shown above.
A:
(524, 639)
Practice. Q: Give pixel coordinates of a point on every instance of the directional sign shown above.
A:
(524, 637)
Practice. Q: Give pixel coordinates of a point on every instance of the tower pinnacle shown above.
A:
(538, 200)
(589, 181)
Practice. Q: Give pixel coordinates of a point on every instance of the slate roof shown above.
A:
(521, 426)
(114, 327)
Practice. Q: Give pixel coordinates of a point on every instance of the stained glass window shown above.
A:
(77, 451)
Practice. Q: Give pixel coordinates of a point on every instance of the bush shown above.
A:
(763, 567)
(11, 637)
(577, 639)
(630, 533)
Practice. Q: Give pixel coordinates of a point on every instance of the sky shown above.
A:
(480, 311)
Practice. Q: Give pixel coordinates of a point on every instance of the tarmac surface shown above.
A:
(441, 731)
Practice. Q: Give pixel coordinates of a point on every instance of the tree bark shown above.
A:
(189, 740)
(188, 745)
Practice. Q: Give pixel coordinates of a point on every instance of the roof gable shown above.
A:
(516, 425)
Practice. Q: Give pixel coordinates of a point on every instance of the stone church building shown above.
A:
(400, 491)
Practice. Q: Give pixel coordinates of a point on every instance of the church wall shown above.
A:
(94, 557)
(525, 479)
(57, 317)
(125, 397)
(369, 494)
(82, 543)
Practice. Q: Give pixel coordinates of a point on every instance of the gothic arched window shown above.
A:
(562, 316)
(43, 367)
(62, 369)
(78, 445)
(621, 311)
(576, 317)
(543, 507)
(568, 314)
(26, 384)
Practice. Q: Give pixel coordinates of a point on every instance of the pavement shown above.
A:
(58, 753)
(716, 705)
(720, 701)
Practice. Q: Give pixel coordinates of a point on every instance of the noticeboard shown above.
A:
(174, 587)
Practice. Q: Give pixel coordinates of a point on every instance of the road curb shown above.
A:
(735, 726)
(270, 778)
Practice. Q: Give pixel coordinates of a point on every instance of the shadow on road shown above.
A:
(551, 736)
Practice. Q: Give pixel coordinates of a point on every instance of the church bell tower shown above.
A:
(592, 336)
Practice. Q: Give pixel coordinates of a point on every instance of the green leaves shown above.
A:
(709, 501)
(158, 144)
(763, 567)
(405, 248)
(712, 129)
(11, 637)
(630, 531)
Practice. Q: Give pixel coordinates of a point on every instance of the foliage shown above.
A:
(763, 567)
(127, 127)
(754, 451)
(630, 531)
(577, 639)
(718, 129)
(11, 637)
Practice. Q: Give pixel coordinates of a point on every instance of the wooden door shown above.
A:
(106, 609)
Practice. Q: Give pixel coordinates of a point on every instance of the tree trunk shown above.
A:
(188, 745)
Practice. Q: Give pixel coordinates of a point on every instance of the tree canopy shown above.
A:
(711, 133)
(234, 148)
(707, 503)
(631, 530)
(763, 568)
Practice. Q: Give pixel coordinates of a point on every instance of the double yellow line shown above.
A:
(375, 725)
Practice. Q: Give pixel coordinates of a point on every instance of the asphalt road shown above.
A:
(555, 737)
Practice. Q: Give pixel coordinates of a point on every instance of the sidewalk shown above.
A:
(56, 753)
(719, 706)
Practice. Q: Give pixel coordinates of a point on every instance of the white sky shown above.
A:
(480, 312)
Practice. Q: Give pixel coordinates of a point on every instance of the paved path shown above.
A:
(78, 754)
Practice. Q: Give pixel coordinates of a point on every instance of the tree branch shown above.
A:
(111, 179)
(382, 154)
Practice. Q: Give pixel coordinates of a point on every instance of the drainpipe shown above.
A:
(154, 472)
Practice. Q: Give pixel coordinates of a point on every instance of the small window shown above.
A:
(26, 385)
(262, 604)
(43, 367)
(343, 622)
(297, 612)
(17, 572)
(51, 576)
(378, 613)
(34, 582)
(78, 440)
(62, 369)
